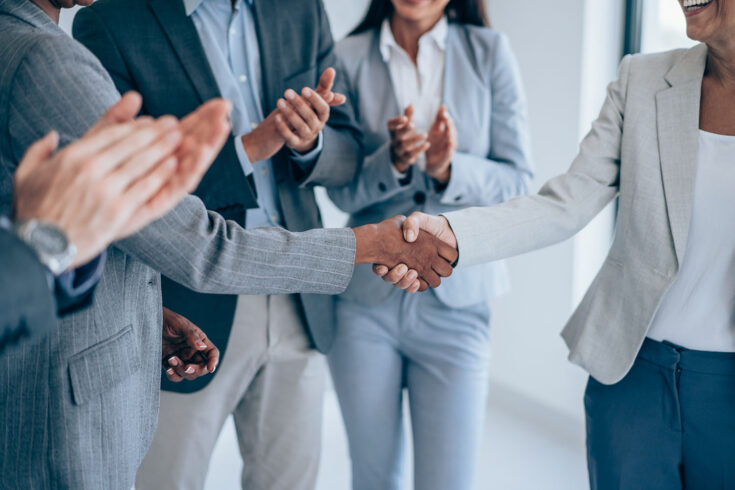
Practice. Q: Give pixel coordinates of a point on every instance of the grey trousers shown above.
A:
(272, 382)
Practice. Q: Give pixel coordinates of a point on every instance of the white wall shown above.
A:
(567, 51)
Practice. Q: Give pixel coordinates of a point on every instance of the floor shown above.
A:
(526, 448)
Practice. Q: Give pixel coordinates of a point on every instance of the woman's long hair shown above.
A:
(461, 11)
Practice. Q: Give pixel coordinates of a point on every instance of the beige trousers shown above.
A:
(272, 383)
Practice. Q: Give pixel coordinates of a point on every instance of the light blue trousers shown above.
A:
(441, 356)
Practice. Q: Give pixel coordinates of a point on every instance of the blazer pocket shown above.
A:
(104, 365)
(299, 80)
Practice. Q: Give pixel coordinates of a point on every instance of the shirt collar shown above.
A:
(28, 12)
(437, 34)
(191, 5)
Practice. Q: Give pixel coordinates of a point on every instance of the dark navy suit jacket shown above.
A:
(152, 46)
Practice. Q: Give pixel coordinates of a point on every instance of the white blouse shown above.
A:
(698, 312)
(421, 84)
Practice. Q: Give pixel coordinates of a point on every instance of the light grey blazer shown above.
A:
(483, 93)
(642, 148)
(78, 409)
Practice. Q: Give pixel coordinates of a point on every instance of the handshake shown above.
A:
(411, 253)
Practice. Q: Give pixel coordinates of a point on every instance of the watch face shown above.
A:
(49, 240)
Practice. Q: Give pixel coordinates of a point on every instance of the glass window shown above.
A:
(664, 27)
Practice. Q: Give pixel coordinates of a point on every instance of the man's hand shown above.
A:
(443, 141)
(384, 244)
(94, 187)
(403, 277)
(122, 175)
(405, 144)
(296, 122)
(187, 353)
(302, 117)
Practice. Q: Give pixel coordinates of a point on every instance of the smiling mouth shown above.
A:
(694, 5)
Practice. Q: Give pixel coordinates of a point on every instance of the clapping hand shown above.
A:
(296, 122)
(406, 145)
(443, 144)
(186, 352)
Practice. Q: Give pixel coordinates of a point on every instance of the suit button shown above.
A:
(152, 281)
(458, 198)
(419, 198)
(381, 187)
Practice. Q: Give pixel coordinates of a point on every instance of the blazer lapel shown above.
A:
(383, 82)
(678, 133)
(267, 25)
(184, 38)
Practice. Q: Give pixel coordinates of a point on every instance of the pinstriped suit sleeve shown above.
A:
(563, 206)
(198, 249)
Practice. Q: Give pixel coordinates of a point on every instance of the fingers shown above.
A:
(291, 138)
(423, 286)
(292, 117)
(37, 154)
(212, 359)
(123, 111)
(408, 280)
(380, 270)
(142, 163)
(396, 274)
(318, 104)
(398, 123)
(448, 252)
(151, 197)
(442, 267)
(432, 278)
(408, 112)
(415, 287)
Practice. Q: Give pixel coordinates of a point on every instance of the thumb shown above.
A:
(38, 153)
(412, 225)
(326, 81)
(409, 111)
(123, 111)
(193, 338)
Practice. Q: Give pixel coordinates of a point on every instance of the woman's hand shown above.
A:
(405, 144)
(443, 141)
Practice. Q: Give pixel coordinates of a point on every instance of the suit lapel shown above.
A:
(267, 25)
(678, 132)
(184, 38)
(383, 91)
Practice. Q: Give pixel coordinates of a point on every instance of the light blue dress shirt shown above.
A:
(228, 36)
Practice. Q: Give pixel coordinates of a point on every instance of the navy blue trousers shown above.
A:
(669, 424)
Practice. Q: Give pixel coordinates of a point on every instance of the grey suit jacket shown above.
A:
(153, 47)
(78, 410)
(27, 306)
(642, 148)
(483, 93)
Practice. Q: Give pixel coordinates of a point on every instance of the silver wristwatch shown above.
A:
(51, 245)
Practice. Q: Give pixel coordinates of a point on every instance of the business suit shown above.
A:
(95, 386)
(294, 46)
(152, 46)
(27, 301)
(436, 344)
(643, 149)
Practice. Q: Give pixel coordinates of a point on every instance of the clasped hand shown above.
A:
(415, 229)
(296, 122)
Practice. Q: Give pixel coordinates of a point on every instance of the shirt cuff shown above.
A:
(79, 282)
(306, 161)
(242, 155)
